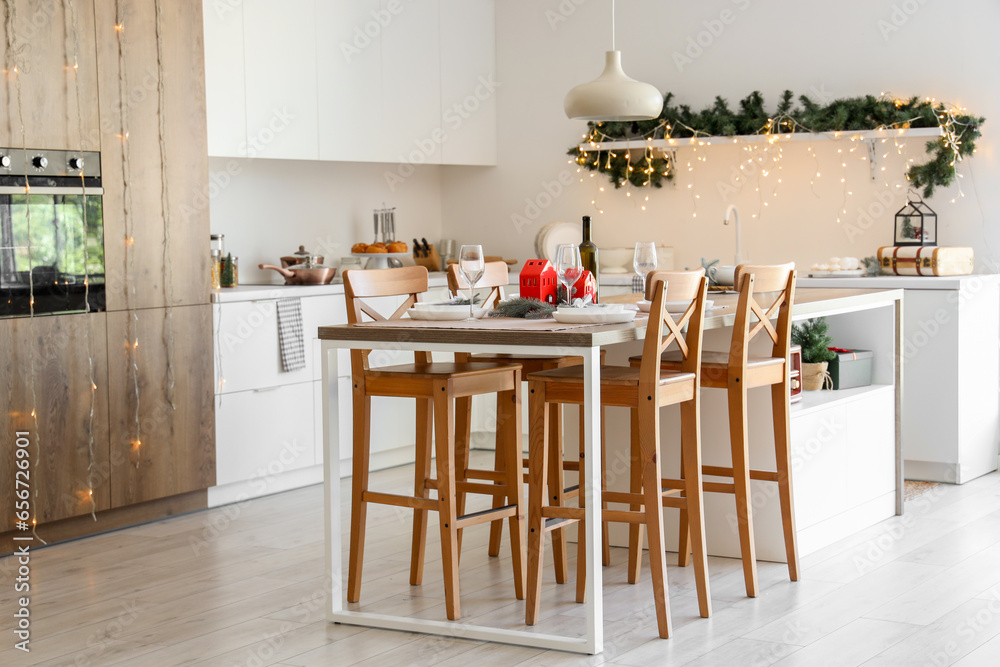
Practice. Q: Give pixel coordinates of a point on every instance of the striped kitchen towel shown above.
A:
(290, 337)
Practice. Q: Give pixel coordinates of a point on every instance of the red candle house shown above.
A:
(539, 280)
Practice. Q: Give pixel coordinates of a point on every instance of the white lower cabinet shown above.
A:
(269, 423)
(262, 433)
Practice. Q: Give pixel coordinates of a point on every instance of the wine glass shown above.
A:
(644, 260)
(569, 266)
(472, 266)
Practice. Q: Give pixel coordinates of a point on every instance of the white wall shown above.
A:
(267, 208)
(940, 49)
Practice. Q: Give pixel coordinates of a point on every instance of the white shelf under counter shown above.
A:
(817, 400)
(951, 413)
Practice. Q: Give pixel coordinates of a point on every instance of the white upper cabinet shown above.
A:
(279, 47)
(411, 83)
(349, 84)
(397, 81)
(225, 91)
(468, 82)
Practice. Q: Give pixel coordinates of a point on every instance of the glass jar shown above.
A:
(229, 271)
(219, 244)
(215, 266)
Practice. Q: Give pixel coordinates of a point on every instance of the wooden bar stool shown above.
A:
(495, 279)
(436, 386)
(737, 371)
(644, 390)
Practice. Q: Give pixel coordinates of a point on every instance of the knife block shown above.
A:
(432, 262)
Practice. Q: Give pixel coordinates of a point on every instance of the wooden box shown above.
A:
(925, 261)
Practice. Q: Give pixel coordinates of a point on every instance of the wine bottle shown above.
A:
(588, 255)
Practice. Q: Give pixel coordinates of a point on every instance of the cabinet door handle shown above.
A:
(264, 389)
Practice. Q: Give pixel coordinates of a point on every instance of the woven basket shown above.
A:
(815, 377)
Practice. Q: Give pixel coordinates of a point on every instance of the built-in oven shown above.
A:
(51, 232)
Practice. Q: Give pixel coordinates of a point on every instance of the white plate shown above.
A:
(837, 274)
(554, 234)
(594, 308)
(672, 306)
(369, 255)
(589, 316)
(450, 314)
(440, 307)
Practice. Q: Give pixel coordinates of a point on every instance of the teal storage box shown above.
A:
(851, 368)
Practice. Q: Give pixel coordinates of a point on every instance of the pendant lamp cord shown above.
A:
(612, 25)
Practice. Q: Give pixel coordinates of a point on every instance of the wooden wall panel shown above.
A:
(62, 390)
(186, 144)
(43, 51)
(177, 453)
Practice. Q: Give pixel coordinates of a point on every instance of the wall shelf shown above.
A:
(680, 142)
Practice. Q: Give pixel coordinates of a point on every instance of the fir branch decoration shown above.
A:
(643, 166)
(464, 300)
(872, 265)
(813, 338)
(228, 276)
(524, 308)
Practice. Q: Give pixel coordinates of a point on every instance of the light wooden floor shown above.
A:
(243, 585)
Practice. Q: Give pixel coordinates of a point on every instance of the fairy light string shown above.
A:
(956, 127)
(168, 296)
(18, 67)
(131, 326)
(73, 50)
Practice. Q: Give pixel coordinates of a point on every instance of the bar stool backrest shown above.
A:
(752, 318)
(408, 281)
(663, 330)
(495, 279)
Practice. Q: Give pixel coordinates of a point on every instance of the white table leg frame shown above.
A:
(593, 642)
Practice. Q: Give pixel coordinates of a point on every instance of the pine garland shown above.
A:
(644, 167)
(523, 307)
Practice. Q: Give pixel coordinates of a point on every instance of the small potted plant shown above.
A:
(812, 337)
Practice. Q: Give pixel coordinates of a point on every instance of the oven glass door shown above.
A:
(51, 251)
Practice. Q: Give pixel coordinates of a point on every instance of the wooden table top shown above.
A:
(809, 302)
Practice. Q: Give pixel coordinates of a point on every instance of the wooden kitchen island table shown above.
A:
(534, 337)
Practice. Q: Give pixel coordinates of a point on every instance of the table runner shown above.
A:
(487, 324)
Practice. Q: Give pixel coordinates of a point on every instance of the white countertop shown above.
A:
(258, 292)
(617, 279)
(896, 282)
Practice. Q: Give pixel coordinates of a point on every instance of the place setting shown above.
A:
(548, 313)
(471, 266)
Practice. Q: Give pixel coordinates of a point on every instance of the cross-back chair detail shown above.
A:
(737, 371)
(643, 388)
(437, 388)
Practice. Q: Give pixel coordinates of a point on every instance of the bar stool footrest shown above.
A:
(485, 516)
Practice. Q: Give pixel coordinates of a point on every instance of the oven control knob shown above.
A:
(76, 163)
(40, 162)
(4, 161)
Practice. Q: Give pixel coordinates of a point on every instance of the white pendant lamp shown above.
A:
(613, 96)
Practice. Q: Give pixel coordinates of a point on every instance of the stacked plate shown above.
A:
(441, 311)
(554, 234)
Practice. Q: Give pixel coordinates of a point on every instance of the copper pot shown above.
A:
(301, 256)
(302, 274)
